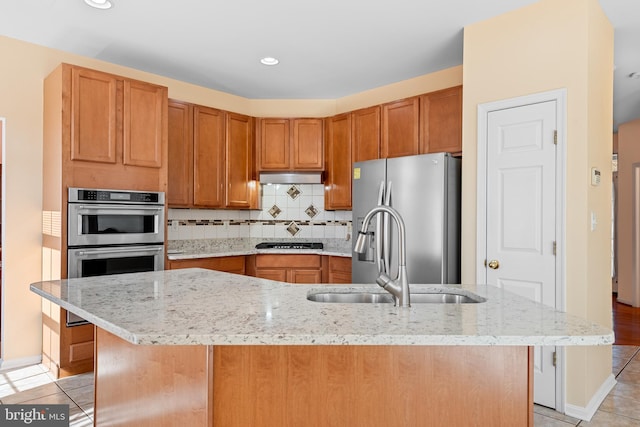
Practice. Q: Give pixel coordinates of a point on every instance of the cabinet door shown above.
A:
(441, 123)
(180, 162)
(208, 157)
(337, 192)
(304, 276)
(274, 144)
(143, 123)
(307, 144)
(240, 171)
(400, 128)
(366, 134)
(94, 111)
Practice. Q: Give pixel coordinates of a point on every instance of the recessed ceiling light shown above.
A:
(99, 4)
(269, 61)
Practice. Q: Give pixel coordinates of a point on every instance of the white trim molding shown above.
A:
(587, 412)
(9, 365)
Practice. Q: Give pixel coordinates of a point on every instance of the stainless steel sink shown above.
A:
(448, 297)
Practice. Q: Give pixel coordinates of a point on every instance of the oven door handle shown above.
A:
(118, 250)
(119, 208)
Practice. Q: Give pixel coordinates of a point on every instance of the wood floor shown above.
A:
(626, 323)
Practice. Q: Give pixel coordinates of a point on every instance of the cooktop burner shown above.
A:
(289, 245)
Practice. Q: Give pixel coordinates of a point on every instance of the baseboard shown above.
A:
(8, 365)
(586, 413)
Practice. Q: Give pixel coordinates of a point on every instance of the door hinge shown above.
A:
(555, 137)
(554, 247)
(555, 358)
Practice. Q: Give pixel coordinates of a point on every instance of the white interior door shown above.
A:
(521, 216)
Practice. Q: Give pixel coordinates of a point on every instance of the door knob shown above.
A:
(494, 264)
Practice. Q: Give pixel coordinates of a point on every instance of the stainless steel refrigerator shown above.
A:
(425, 190)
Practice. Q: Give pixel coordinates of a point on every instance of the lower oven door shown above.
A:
(87, 262)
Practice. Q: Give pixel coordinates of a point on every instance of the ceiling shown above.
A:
(327, 49)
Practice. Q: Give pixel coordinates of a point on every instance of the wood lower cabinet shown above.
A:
(339, 269)
(337, 188)
(441, 121)
(286, 268)
(229, 264)
(400, 128)
(290, 144)
(317, 385)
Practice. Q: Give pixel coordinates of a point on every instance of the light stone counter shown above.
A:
(212, 248)
(204, 307)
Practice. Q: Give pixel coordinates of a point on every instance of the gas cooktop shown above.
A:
(289, 245)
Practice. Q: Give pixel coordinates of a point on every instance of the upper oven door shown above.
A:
(113, 224)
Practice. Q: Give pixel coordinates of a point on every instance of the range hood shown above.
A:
(290, 177)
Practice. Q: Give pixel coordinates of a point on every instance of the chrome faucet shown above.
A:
(398, 287)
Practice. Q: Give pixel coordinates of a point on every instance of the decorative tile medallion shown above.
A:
(293, 228)
(312, 211)
(275, 211)
(294, 192)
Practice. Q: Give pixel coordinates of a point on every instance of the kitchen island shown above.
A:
(200, 347)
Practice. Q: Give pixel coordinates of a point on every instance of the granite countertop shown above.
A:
(204, 307)
(211, 248)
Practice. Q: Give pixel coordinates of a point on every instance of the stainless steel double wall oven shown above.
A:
(112, 232)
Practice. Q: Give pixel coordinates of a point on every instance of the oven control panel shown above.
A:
(115, 196)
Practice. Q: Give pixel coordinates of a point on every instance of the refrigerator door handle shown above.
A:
(386, 244)
(378, 236)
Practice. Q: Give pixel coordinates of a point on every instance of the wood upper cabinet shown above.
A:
(441, 121)
(196, 160)
(400, 128)
(180, 165)
(208, 157)
(94, 115)
(144, 109)
(337, 193)
(274, 144)
(366, 134)
(307, 144)
(211, 163)
(240, 170)
(115, 129)
(290, 144)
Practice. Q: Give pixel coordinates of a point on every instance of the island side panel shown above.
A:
(372, 385)
(151, 385)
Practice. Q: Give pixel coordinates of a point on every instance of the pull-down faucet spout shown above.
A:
(398, 287)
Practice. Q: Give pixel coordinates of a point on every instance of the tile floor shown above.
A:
(34, 385)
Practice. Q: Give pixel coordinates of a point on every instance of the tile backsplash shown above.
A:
(288, 211)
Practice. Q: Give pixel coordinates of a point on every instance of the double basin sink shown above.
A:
(444, 296)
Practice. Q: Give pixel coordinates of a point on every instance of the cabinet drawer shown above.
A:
(231, 264)
(286, 261)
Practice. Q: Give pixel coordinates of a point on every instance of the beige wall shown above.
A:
(550, 45)
(24, 67)
(628, 154)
